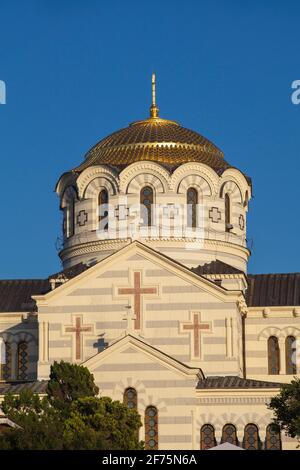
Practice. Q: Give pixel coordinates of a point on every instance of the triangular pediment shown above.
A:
(130, 344)
(117, 265)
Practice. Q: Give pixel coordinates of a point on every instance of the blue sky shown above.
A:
(77, 70)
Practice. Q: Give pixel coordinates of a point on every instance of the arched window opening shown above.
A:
(273, 438)
(68, 224)
(290, 355)
(251, 437)
(229, 434)
(151, 428)
(228, 225)
(103, 209)
(207, 438)
(6, 361)
(273, 356)
(146, 202)
(192, 202)
(130, 398)
(23, 361)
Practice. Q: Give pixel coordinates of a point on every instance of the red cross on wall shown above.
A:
(137, 291)
(78, 329)
(195, 327)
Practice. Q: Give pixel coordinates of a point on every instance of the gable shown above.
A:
(119, 267)
(131, 354)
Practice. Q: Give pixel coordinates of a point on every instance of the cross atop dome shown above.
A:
(154, 109)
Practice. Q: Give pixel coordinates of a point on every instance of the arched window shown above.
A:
(68, 224)
(130, 398)
(229, 434)
(290, 355)
(102, 209)
(146, 201)
(207, 438)
(273, 438)
(6, 365)
(273, 355)
(227, 213)
(192, 201)
(151, 428)
(23, 361)
(251, 437)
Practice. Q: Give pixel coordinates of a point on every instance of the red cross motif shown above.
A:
(195, 328)
(78, 329)
(137, 291)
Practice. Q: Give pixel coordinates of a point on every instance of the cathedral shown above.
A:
(154, 297)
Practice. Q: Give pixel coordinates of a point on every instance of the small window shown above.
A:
(130, 398)
(102, 209)
(6, 366)
(251, 437)
(273, 356)
(290, 355)
(229, 434)
(207, 438)
(151, 428)
(227, 213)
(23, 361)
(273, 438)
(192, 202)
(146, 201)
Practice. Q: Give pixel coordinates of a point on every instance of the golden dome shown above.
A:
(154, 139)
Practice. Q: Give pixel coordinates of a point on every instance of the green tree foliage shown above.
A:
(286, 407)
(100, 423)
(83, 421)
(68, 382)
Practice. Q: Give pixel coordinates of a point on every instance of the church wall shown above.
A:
(17, 328)
(238, 407)
(260, 325)
(167, 316)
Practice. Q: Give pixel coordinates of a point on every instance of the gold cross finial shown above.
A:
(154, 109)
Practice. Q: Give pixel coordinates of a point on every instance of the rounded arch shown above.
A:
(207, 436)
(235, 175)
(273, 437)
(233, 190)
(251, 439)
(194, 181)
(229, 434)
(94, 172)
(151, 428)
(146, 179)
(197, 171)
(96, 185)
(69, 195)
(290, 355)
(269, 331)
(130, 398)
(134, 177)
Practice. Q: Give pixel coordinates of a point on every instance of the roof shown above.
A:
(216, 267)
(15, 295)
(71, 272)
(17, 387)
(234, 382)
(266, 290)
(154, 139)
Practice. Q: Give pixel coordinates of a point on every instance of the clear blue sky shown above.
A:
(77, 70)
